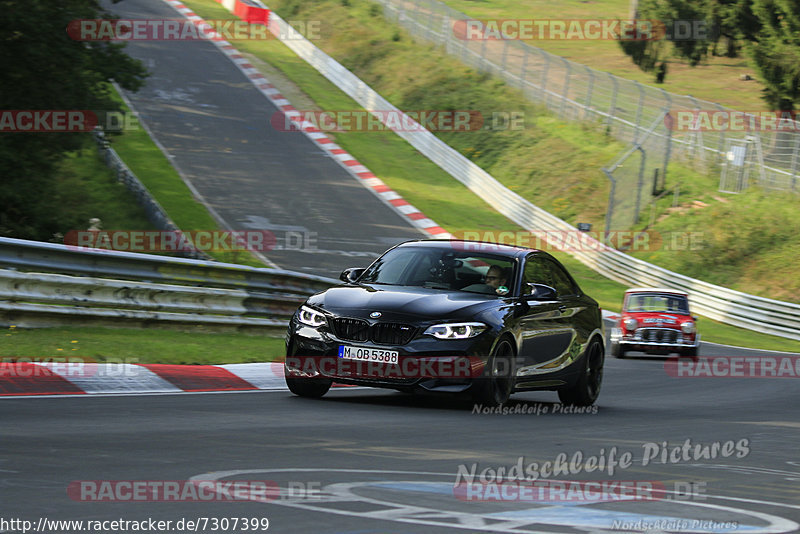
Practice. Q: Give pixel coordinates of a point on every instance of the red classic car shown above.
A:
(655, 321)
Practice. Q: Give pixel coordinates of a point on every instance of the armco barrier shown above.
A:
(719, 303)
(98, 287)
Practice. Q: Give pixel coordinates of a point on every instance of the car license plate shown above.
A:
(368, 354)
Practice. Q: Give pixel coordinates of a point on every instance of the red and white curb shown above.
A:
(78, 378)
(348, 162)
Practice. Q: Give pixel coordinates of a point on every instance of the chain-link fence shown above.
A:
(623, 108)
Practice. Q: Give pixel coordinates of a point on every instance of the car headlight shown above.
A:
(311, 317)
(631, 324)
(455, 330)
(688, 327)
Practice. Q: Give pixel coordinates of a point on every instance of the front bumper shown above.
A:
(633, 343)
(424, 362)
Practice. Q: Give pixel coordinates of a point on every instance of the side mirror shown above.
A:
(351, 275)
(541, 292)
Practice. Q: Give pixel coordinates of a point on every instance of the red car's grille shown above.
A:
(658, 335)
(382, 333)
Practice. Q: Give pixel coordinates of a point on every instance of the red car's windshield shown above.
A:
(657, 302)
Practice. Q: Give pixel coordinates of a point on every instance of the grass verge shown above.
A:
(128, 345)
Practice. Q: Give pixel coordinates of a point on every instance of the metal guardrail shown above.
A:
(100, 287)
(719, 303)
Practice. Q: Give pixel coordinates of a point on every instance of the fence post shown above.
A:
(613, 107)
(505, 53)
(638, 111)
(795, 157)
(543, 83)
(640, 185)
(564, 96)
(589, 90)
(523, 73)
(482, 62)
(721, 143)
(610, 210)
(668, 149)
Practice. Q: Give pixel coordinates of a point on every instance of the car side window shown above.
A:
(540, 270)
(536, 272)
(561, 281)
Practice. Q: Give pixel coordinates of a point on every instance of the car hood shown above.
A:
(395, 302)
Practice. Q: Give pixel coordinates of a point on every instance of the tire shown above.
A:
(616, 349)
(690, 352)
(497, 384)
(585, 390)
(309, 387)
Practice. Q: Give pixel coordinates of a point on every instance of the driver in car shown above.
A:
(495, 282)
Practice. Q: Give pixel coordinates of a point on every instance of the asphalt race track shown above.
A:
(216, 127)
(362, 461)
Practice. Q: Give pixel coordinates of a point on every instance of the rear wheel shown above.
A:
(585, 390)
(497, 384)
(309, 387)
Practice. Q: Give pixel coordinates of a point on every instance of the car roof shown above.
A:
(484, 247)
(657, 290)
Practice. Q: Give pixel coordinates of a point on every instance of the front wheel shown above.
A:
(497, 384)
(616, 349)
(585, 390)
(308, 387)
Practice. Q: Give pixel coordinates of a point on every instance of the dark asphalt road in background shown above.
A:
(216, 127)
(420, 442)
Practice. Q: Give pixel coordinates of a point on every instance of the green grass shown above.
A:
(404, 77)
(139, 346)
(84, 188)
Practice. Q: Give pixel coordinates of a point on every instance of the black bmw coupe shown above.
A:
(451, 316)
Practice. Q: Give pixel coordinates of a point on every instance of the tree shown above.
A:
(651, 55)
(774, 51)
(44, 69)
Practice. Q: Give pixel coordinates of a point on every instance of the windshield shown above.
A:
(442, 269)
(657, 302)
